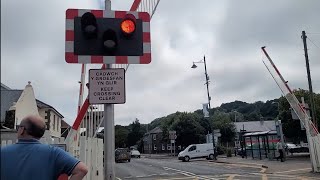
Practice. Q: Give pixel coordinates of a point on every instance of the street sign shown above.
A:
(216, 131)
(172, 135)
(205, 110)
(107, 86)
(172, 141)
(107, 37)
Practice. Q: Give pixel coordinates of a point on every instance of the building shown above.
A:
(255, 126)
(16, 104)
(65, 128)
(155, 143)
(257, 138)
(52, 118)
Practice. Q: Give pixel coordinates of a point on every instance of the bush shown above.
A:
(229, 152)
(221, 150)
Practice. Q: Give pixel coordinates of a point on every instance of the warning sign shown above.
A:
(107, 86)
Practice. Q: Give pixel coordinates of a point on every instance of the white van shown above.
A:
(194, 151)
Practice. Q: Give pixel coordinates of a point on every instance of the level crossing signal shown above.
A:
(110, 37)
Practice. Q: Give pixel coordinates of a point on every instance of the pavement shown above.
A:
(166, 167)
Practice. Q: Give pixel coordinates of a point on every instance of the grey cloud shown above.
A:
(228, 33)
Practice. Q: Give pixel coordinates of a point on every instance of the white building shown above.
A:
(16, 104)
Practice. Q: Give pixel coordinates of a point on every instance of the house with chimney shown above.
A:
(18, 103)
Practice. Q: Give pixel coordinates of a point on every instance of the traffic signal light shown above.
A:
(94, 35)
(108, 36)
(89, 25)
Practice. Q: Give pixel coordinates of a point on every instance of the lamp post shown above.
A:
(235, 115)
(206, 75)
(208, 94)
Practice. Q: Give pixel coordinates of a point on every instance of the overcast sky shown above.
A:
(229, 33)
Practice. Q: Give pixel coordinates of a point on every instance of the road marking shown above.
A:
(293, 170)
(231, 177)
(263, 170)
(178, 178)
(264, 177)
(256, 166)
(118, 178)
(189, 174)
(163, 174)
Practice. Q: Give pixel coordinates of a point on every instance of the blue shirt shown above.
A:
(30, 160)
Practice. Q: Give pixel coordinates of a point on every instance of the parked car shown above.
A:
(194, 151)
(241, 151)
(135, 153)
(122, 154)
(293, 148)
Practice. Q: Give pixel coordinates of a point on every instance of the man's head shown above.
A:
(31, 127)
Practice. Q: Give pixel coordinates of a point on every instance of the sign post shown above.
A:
(107, 86)
(173, 137)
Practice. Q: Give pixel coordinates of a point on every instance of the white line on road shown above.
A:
(189, 174)
(264, 177)
(231, 177)
(294, 170)
(118, 178)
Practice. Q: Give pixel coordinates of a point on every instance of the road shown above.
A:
(172, 169)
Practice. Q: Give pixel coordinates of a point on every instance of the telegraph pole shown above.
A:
(207, 80)
(312, 105)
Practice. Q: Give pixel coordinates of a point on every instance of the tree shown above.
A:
(121, 136)
(188, 129)
(291, 128)
(222, 121)
(135, 133)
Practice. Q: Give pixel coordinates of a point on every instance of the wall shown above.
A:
(26, 104)
(55, 122)
(9, 134)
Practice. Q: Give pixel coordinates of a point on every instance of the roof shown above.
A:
(260, 133)
(4, 87)
(155, 130)
(42, 105)
(255, 126)
(8, 97)
(64, 124)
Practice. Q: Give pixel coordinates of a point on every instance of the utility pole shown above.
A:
(207, 80)
(312, 105)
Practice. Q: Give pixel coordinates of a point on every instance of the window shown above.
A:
(163, 147)
(154, 137)
(168, 146)
(55, 123)
(192, 148)
(155, 147)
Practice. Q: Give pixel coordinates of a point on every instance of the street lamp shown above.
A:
(235, 115)
(206, 75)
(278, 108)
(209, 98)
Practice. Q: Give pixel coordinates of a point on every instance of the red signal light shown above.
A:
(128, 24)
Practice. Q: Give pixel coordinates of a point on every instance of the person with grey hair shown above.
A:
(32, 160)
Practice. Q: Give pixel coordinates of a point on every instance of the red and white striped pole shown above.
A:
(75, 127)
(80, 100)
